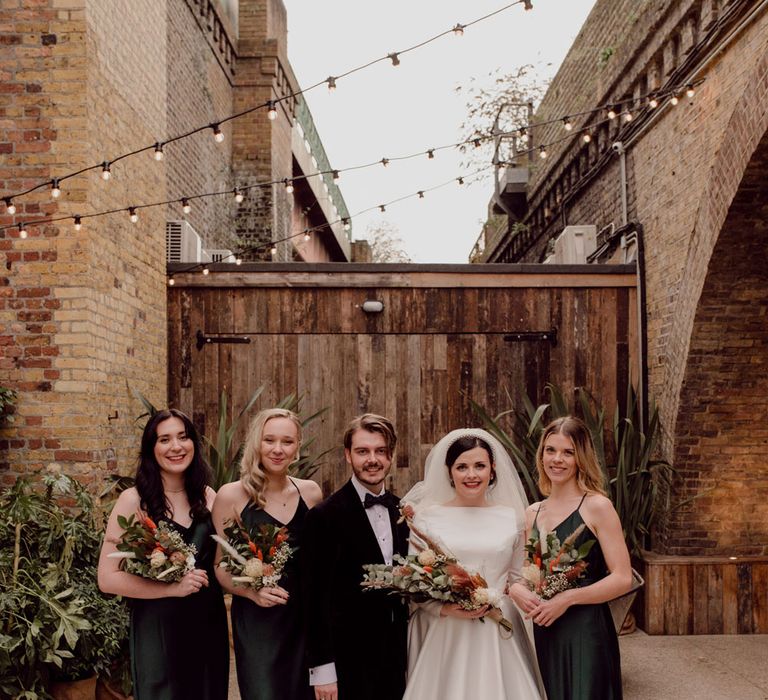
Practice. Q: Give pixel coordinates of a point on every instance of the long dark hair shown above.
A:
(149, 483)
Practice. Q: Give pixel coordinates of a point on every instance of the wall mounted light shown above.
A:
(372, 306)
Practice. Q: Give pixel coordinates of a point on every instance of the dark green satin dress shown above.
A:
(269, 642)
(579, 653)
(180, 646)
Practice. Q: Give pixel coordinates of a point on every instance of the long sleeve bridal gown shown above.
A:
(451, 658)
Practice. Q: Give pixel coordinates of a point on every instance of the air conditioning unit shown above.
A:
(182, 243)
(574, 245)
(221, 255)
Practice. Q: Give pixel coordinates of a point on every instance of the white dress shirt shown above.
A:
(378, 516)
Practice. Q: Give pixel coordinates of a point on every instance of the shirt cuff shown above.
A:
(322, 675)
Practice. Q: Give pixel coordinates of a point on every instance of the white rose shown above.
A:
(157, 559)
(253, 568)
(426, 557)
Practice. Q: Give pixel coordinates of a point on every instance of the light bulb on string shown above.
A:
(78, 223)
(171, 281)
(458, 30)
(627, 116)
(382, 208)
(431, 153)
(133, 215)
(346, 224)
(205, 270)
(55, 189)
(674, 100)
(23, 231)
(288, 185)
(105, 171)
(186, 207)
(335, 175)
(385, 162)
(307, 236)
(273, 250)
(690, 91)
(238, 261)
(542, 152)
(587, 137)
(331, 83)
(271, 111)
(477, 143)
(460, 180)
(611, 113)
(527, 5)
(158, 151)
(421, 194)
(394, 58)
(218, 134)
(653, 102)
(238, 195)
(10, 207)
(567, 124)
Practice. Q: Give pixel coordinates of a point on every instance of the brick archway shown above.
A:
(720, 438)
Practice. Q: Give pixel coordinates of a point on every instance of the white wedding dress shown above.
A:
(454, 659)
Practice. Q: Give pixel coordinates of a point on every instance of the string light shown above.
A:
(460, 180)
(105, 171)
(421, 194)
(527, 5)
(10, 207)
(542, 152)
(431, 153)
(653, 103)
(78, 223)
(186, 207)
(385, 162)
(205, 269)
(23, 231)
(477, 143)
(335, 175)
(273, 250)
(627, 116)
(382, 208)
(55, 189)
(690, 91)
(271, 111)
(674, 100)
(307, 236)
(394, 58)
(331, 83)
(238, 261)
(458, 30)
(567, 124)
(132, 215)
(586, 138)
(171, 281)
(218, 134)
(346, 224)
(611, 113)
(288, 185)
(158, 151)
(238, 195)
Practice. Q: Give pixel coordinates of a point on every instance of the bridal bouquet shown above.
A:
(434, 574)
(156, 552)
(552, 567)
(257, 557)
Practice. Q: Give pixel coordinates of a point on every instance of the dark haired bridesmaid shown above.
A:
(178, 638)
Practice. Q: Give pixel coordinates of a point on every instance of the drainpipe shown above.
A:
(618, 148)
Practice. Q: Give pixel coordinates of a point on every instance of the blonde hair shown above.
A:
(589, 474)
(252, 474)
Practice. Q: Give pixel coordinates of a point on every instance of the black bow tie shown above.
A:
(386, 500)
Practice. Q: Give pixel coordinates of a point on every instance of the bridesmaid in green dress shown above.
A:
(267, 626)
(178, 635)
(576, 644)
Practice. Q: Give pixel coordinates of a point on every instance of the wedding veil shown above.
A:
(436, 487)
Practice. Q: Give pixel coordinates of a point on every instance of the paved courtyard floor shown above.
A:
(711, 667)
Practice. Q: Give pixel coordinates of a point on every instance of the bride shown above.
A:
(472, 504)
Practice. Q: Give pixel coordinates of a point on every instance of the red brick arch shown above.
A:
(721, 339)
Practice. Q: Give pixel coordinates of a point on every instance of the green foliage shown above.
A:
(7, 398)
(637, 483)
(54, 622)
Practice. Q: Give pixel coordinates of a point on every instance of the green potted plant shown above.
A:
(56, 627)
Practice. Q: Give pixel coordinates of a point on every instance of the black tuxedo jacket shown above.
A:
(363, 632)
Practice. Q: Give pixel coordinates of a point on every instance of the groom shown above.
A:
(356, 640)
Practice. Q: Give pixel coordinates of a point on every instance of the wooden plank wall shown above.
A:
(438, 342)
(703, 595)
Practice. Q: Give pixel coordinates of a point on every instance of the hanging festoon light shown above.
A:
(431, 153)
(627, 116)
(10, 207)
(171, 281)
(288, 184)
(307, 236)
(238, 260)
(421, 194)
(394, 58)
(186, 207)
(567, 124)
(23, 231)
(106, 173)
(345, 223)
(218, 134)
(382, 208)
(78, 223)
(238, 195)
(158, 151)
(335, 175)
(611, 112)
(458, 30)
(690, 91)
(542, 152)
(527, 5)
(653, 102)
(133, 214)
(55, 189)
(460, 180)
(273, 250)
(205, 270)
(384, 162)
(331, 80)
(586, 137)
(271, 110)
(674, 100)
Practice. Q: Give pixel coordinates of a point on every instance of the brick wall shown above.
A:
(684, 167)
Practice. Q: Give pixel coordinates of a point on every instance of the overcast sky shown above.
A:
(386, 111)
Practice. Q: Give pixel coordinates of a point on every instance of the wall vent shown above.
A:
(221, 255)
